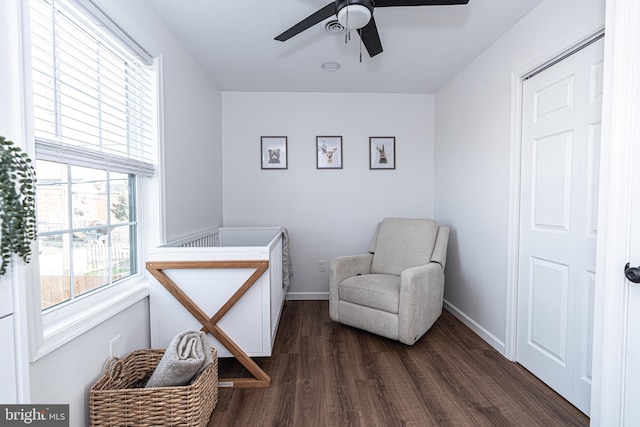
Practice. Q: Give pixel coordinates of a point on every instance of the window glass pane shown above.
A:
(90, 264)
(55, 276)
(89, 197)
(123, 249)
(51, 193)
(120, 200)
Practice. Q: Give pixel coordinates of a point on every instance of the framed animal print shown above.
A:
(273, 152)
(328, 152)
(382, 152)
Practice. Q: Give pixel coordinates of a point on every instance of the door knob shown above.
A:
(632, 273)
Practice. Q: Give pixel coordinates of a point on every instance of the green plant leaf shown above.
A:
(17, 204)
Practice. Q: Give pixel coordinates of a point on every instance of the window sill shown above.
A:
(62, 325)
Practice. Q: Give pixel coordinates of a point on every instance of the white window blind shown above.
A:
(93, 99)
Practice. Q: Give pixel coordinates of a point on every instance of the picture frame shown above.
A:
(382, 152)
(273, 152)
(328, 152)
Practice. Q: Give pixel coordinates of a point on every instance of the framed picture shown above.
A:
(328, 152)
(382, 152)
(273, 152)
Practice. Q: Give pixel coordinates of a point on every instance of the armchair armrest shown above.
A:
(342, 268)
(348, 266)
(421, 297)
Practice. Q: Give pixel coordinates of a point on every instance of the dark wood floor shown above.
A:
(327, 374)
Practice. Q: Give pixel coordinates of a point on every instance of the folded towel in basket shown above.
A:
(187, 354)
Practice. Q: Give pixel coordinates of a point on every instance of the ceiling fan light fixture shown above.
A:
(354, 16)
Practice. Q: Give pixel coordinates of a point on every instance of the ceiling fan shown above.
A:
(358, 15)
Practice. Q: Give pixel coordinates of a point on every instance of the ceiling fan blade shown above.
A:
(371, 38)
(308, 22)
(392, 3)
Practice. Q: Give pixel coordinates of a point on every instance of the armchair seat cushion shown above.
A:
(378, 291)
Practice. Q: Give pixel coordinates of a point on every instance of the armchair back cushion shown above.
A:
(402, 243)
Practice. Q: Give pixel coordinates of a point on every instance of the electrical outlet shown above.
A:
(322, 265)
(114, 346)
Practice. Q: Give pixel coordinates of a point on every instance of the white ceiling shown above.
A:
(423, 46)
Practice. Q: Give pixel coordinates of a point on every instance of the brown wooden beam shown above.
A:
(209, 324)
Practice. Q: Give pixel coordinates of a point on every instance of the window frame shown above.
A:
(51, 329)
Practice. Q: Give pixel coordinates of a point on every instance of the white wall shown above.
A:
(192, 124)
(327, 212)
(193, 151)
(66, 375)
(473, 130)
(192, 194)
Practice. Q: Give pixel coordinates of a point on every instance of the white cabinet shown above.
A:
(8, 394)
(6, 296)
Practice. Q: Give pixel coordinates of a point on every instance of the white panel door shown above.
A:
(558, 217)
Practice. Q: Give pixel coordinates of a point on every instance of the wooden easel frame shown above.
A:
(209, 324)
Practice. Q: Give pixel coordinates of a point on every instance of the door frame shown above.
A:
(621, 100)
(547, 58)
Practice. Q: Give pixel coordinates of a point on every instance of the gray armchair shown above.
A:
(397, 289)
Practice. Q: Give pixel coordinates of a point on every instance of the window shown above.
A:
(87, 229)
(95, 135)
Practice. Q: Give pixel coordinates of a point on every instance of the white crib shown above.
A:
(197, 278)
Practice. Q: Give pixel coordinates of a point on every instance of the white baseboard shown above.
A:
(307, 296)
(491, 339)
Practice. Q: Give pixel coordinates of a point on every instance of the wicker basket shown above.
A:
(118, 400)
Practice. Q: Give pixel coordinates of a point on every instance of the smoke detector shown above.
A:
(330, 66)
